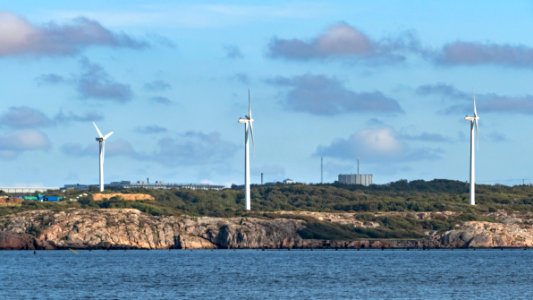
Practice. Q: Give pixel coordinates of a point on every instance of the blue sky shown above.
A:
(387, 81)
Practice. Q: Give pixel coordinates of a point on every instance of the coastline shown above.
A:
(131, 229)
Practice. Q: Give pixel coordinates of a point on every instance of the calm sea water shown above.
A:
(250, 274)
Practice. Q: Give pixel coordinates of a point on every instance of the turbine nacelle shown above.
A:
(245, 120)
(101, 138)
(471, 119)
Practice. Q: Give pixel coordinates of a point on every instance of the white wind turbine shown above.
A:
(248, 133)
(101, 142)
(473, 131)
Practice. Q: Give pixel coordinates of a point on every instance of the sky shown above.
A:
(388, 82)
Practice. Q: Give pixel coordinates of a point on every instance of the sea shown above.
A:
(269, 274)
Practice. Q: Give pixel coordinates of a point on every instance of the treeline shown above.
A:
(418, 195)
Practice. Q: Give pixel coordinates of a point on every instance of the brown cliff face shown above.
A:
(129, 228)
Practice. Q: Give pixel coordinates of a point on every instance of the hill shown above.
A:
(399, 210)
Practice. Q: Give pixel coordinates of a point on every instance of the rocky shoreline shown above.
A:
(131, 229)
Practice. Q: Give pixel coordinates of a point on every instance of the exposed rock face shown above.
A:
(129, 228)
(489, 235)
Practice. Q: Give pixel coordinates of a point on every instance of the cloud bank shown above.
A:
(20, 37)
(194, 148)
(93, 83)
(186, 149)
(321, 95)
(344, 41)
(475, 53)
(23, 140)
(486, 102)
(27, 117)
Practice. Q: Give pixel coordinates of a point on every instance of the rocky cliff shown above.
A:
(509, 230)
(129, 228)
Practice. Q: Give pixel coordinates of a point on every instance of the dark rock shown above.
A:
(16, 241)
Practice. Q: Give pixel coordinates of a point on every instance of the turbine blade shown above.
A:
(98, 130)
(475, 109)
(252, 134)
(249, 105)
(108, 135)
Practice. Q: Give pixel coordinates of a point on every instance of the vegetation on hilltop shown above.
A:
(417, 196)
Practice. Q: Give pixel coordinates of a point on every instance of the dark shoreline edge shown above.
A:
(277, 250)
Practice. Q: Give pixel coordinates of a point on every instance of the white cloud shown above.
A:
(344, 39)
(14, 143)
(381, 141)
(377, 145)
(15, 33)
(24, 117)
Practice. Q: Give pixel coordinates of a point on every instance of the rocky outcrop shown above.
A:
(10, 240)
(129, 228)
(488, 235)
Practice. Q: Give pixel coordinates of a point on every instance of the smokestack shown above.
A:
(261, 178)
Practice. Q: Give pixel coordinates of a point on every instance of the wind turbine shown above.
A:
(248, 133)
(101, 142)
(473, 127)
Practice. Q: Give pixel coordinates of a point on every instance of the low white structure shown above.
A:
(26, 190)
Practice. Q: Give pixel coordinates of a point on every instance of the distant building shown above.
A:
(288, 181)
(119, 184)
(77, 187)
(30, 190)
(362, 179)
(158, 185)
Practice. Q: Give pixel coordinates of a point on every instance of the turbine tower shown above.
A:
(248, 133)
(101, 142)
(473, 132)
